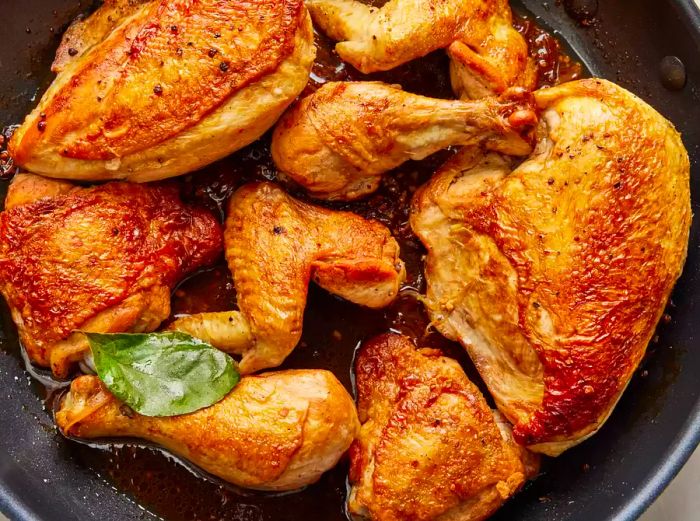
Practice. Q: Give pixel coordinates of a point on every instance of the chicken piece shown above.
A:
(488, 54)
(339, 141)
(278, 431)
(28, 188)
(554, 274)
(153, 89)
(85, 33)
(100, 259)
(430, 448)
(275, 245)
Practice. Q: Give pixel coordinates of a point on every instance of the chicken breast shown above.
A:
(275, 245)
(488, 54)
(554, 274)
(153, 89)
(100, 259)
(430, 448)
(278, 431)
(338, 142)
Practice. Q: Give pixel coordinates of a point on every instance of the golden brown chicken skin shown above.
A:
(149, 90)
(488, 54)
(100, 259)
(430, 448)
(554, 274)
(278, 431)
(276, 245)
(338, 142)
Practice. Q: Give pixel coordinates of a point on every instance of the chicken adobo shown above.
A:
(547, 245)
(101, 259)
(153, 89)
(488, 55)
(430, 447)
(554, 274)
(278, 431)
(275, 245)
(339, 141)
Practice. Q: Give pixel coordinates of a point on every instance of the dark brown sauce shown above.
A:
(7, 164)
(554, 66)
(333, 328)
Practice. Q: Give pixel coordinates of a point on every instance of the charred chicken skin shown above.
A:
(338, 142)
(152, 89)
(555, 273)
(278, 431)
(276, 245)
(430, 448)
(488, 54)
(101, 259)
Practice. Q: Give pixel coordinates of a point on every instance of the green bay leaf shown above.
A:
(162, 374)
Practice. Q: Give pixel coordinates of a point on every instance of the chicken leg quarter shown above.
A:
(339, 141)
(554, 274)
(274, 246)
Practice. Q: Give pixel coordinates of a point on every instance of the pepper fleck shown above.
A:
(157, 90)
(212, 52)
(41, 126)
(223, 66)
(72, 51)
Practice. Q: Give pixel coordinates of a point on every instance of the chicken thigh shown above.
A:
(278, 431)
(554, 274)
(430, 448)
(100, 259)
(488, 54)
(153, 89)
(339, 141)
(274, 246)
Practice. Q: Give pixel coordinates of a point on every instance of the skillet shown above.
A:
(614, 475)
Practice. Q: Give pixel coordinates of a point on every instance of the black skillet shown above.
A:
(615, 475)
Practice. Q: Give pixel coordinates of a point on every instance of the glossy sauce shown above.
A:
(333, 328)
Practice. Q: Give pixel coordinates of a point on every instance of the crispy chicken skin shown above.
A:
(275, 245)
(339, 141)
(153, 89)
(488, 54)
(278, 431)
(554, 274)
(100, 259)
(430, 448)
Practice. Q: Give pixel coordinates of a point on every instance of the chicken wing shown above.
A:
(274, 246)
(554, 274)
(100, 259)
(488, 54)
(339, 141)
(278, 431)
(430, 448)
(153, 89)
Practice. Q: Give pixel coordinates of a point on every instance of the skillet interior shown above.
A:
(614, 475)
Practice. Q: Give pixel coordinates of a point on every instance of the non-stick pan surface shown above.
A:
(614, 475)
